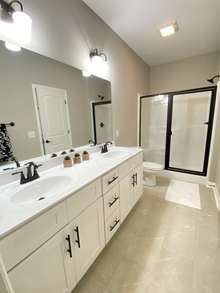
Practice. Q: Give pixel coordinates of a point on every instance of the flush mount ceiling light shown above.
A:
(15, 26)
(169, 30)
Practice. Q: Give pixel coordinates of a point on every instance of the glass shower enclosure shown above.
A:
(176, 129)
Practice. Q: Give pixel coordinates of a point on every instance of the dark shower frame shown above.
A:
(94, 104)
(213, 90)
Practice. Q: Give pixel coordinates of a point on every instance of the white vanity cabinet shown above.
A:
(47, 269)
(53, 251)
(124, 186)
(131, 185)
(88, 236)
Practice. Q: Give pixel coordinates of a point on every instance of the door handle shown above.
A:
(206, 123)
(69, 244)
(77, 235)
(48, 141)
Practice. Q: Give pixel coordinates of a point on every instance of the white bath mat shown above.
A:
(184, 193)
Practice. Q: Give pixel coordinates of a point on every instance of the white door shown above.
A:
(126, 196)
(88, 234)
(45, 270)
(53, 117)
(138, 184)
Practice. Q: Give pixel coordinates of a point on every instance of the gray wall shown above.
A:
(184, 74)
(67, 30)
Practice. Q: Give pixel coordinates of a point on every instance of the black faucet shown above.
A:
(32, 173)
(104, 148)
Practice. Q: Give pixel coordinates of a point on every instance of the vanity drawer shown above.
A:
(111, 201)
(112, 225)
(79, 201)
(130, 164)
(110, 180)
(22, 242)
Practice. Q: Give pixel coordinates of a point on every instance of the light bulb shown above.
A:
(97, 60)
(23, 26)
(12, 47)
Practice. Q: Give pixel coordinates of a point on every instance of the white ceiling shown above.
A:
(137, 22)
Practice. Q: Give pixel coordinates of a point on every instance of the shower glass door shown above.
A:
(189, 130)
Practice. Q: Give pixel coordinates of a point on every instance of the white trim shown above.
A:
(214, 187)
(214, 130)
(7, 288)
(34, 87)
(34, 90)
(138, 118)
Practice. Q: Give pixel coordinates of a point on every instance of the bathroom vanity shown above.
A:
(53, 229)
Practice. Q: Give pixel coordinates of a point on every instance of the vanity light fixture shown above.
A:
(96, 57)
(15, 26)
(97, 64)
(169, 30)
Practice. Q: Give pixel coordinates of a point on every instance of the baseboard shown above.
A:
(214, 187)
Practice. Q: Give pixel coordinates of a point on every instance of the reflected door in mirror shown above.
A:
(53, 117)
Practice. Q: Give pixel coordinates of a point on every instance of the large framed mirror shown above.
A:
(45, 106)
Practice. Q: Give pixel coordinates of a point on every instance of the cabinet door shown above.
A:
(138, 183)
(88, 235)
(126, 195)
(45, 270)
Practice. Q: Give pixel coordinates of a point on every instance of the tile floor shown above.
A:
(162, 247)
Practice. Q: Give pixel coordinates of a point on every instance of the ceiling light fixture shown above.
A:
(15, 26)
(169, 30)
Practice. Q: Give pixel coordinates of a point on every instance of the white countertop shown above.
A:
(13, 215)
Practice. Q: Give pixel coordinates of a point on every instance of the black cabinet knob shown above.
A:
(48, 141)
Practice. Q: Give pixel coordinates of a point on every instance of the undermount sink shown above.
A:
(116, 154)
(41, 189)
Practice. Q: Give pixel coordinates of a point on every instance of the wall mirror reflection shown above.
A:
(45, 106)
(102, 121)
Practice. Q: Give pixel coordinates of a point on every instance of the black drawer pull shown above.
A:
(78, 238)
(112, 180)
(69, 244)
(115, 224)
(135, 176)
(134, 179)
(114, 201)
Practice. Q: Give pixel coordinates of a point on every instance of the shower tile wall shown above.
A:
(153, 128)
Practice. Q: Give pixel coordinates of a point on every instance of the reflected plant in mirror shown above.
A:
(53, 107)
